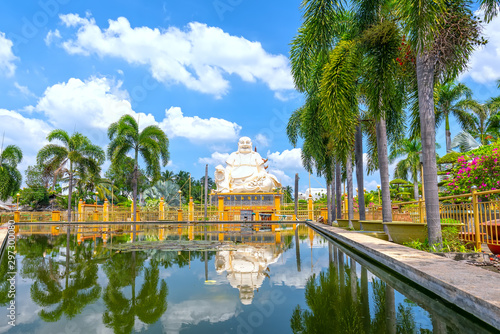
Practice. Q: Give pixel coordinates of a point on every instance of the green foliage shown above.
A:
(451, 240)
(167, 190)
(10, 177)
(451, 158)
(34, 197)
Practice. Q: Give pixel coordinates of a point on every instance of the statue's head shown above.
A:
(245, 145)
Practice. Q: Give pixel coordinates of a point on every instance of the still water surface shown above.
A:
(209, 279)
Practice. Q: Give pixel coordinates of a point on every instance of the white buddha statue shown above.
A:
(245, 172)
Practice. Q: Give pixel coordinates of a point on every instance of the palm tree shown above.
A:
(485, 120)
(10, 177)
(168, 175)
(76, 153)
(411, 164)
(324, 23)
(442, 35)
(450, 101)
(151, 143)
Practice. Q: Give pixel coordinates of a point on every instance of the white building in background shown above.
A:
(316, 193)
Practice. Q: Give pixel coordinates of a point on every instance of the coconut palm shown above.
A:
(76, 153)
(151, 143)
(10, 177)
(485, 120)
(450, 101)
(442, 35)
(324, 23)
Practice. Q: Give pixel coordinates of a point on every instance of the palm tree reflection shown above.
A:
(80, 286)
(148, 305)
(337, 304)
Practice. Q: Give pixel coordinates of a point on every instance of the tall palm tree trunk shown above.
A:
(338, 189)
(328, 202)
(332, 194)
(349, 190)
(425, 79)
(448, 134)
(415, 188)
(383, 161)
(359, 172)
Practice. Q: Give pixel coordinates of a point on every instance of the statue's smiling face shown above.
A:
(245, 145)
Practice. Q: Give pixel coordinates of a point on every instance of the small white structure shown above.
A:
(316, 193)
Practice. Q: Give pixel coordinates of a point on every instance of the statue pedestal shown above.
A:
(238, 206)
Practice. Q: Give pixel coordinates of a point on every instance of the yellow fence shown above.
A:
(477, 212)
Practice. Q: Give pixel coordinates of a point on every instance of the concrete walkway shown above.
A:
(472, 289)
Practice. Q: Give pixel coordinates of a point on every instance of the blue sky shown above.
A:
(207, 72)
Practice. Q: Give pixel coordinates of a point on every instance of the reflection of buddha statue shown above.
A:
(245, 172)
(246, 268)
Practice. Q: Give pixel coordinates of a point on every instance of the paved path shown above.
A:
(475, 291)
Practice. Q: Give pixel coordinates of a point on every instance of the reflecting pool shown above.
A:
(217, 278)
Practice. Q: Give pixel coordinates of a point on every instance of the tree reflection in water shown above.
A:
(148, 305)
(80, 286)
(337, 304)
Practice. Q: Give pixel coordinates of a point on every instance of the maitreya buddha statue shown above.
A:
(245, 172)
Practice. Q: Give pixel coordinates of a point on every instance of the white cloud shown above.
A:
(288, 159)
(261, 140)
(372, 185)
(24, 90)
(484, 66)
(215, 159)
(282, 177)
(7, 58)
(198, 57)
(88, 106)
(27, 133)
(195, 128)
(52, 35)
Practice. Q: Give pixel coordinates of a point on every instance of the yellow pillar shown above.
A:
(273, 227)
(477, 229)
(421, 210)
(346, 207)
(191, 209)
(277, 204)
(56, 216)
(80, 210)
(161, 234)
(17, 216)
(191, 232)
(310, 208)
(221, 208)
(161, 215)
(179, 215)
(105, 211)
(221, 236)
(278, 237)
(294, 226)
